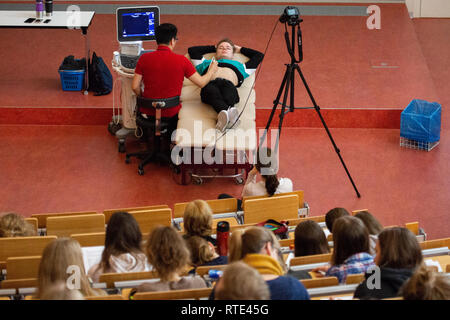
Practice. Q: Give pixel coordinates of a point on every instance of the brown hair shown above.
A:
(122, 236)
(57, 257)
(399, 249)
(252, 240)
(426, 284)
(333, 215)
(167, 252)
(372, 224)
(228, 41)
(198, 218)
(350, 236)
(242, 282)
(310, 239)
(14, 225)
(200, 249)
(267, 166)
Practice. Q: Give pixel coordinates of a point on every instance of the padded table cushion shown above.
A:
(197, 121)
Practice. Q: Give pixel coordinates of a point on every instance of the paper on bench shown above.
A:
(91, 256)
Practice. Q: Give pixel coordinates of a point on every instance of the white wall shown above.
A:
(428, 8)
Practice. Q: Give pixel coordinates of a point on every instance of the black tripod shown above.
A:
(287, 88)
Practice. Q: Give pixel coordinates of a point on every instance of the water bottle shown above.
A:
(214, 274)
(223, 233)
(39, 9)
(48, 8)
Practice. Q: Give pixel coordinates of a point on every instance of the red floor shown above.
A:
(73, 168)
(340, 56)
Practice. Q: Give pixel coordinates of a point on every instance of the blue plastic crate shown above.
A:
(72, 80)
(421, 121)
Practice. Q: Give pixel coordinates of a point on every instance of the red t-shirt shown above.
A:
(163, 72)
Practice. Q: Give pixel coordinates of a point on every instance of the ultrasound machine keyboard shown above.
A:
(128, 62)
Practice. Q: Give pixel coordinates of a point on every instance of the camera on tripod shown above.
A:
(291, 16)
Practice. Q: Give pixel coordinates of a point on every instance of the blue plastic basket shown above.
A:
(421, 121)
(72, 80)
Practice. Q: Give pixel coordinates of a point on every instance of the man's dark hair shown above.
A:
(165, 32)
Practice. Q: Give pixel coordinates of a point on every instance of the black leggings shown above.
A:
(220, 94)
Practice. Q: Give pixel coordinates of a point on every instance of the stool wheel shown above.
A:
(239, 180)
(197, 180)
(141, 171)
(127, 160)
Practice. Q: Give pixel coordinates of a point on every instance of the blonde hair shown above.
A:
(14, 225)
(426, 284)
(59, 291)
(253, 240)
(242, 282)
(58, 256)
(167, 252)
(198, 218)
(200, 249)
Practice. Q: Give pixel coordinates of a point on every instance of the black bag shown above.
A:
(100, 78)
(280, 229)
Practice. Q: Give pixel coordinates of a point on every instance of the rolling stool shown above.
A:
(155, 124)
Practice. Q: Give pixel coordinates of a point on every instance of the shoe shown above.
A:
(222, 120)
(233, 116)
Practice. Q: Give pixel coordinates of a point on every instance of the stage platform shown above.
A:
(360, 78)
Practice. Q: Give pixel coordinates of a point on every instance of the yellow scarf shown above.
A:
(263, 263)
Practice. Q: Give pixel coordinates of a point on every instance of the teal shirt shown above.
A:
(203, 67)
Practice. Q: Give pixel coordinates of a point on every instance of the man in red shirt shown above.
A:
(162, 72)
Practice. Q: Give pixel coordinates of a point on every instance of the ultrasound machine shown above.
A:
(135, 26)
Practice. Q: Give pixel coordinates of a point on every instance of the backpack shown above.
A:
(100, 78)
(280, 229)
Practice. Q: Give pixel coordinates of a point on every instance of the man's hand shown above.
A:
(237, 48)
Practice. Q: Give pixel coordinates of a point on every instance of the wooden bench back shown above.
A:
(299, 193)
(42, 217)
(192, 294)
(437, 243)
(149, 219)
(277, 208)
(217, 206)
(22, 247)
(64, 226)
(90, 239)
(109, 212)
(316, 258)
(110, 278)
(22, 267)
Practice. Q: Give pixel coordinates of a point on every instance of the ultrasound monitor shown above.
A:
(137, 23)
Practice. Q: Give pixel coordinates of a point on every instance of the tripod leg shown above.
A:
(317, 108)
(275, 104)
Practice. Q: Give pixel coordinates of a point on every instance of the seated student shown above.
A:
(122, 252)
(14, 225)
(351, 249)
(203, 253)
(426, 284)
(373, 226)
(221, 92)
(241, 282)
(259, 248)
(266, 168)
(333, 215)
(59, 258)
(309, 240)
(198, 220)
(398, 256)
(169, 256)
